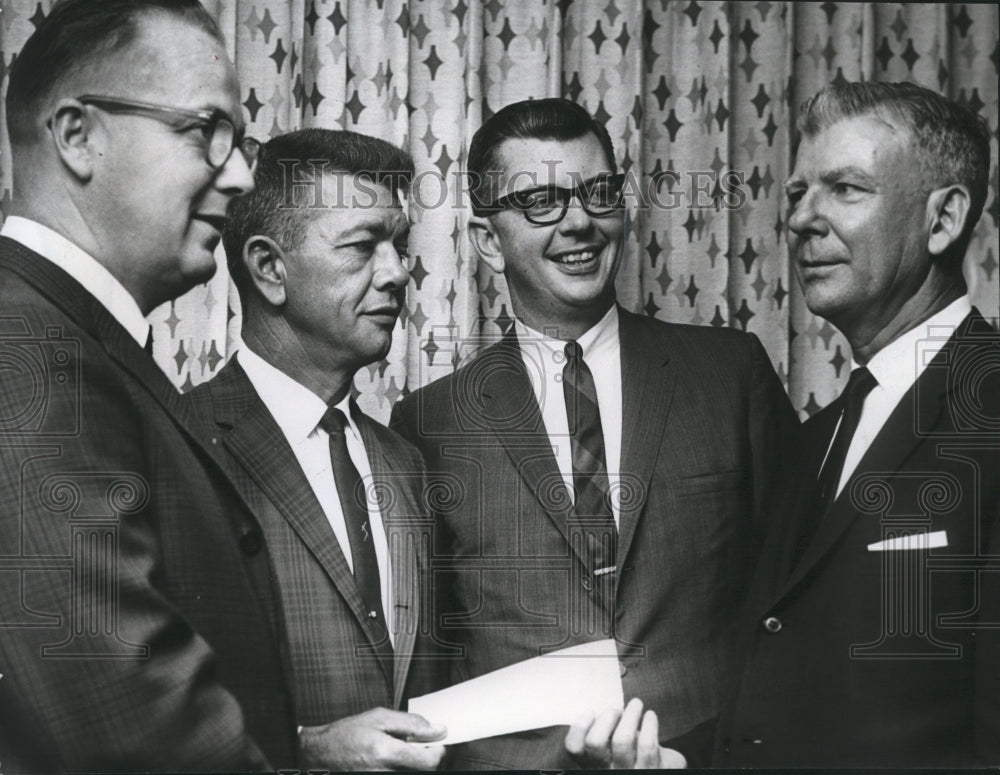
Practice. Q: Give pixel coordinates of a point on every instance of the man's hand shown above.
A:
(616, 740)
(373, 740)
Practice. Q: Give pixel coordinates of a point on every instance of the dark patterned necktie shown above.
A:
(352, 500)
(590, 472)
(859, 385)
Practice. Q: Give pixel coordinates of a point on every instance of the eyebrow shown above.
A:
(839, 173)
(378, 227)
(598, 178)
(832, 176)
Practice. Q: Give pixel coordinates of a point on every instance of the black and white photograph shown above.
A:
(530, 385)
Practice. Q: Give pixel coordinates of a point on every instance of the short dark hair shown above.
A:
(952, 144)
(553, 118)
(76, 34)
(277, 209)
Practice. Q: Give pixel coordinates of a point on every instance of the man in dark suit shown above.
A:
(613, 467)
(318, 254)
(140, 630)
(874, 618)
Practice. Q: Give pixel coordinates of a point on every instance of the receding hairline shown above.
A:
(144, 78)
(896, 121)
(101, 70)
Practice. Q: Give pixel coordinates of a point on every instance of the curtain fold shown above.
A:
(699, 99)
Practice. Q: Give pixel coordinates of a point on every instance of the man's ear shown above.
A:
(73, 133)
(947, 211)
(484, 240)
(265, 264)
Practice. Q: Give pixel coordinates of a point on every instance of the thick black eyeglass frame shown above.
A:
(228, 140)
(511, 201)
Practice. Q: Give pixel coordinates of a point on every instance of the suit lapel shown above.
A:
(647, 391)
(258, 445)
(498, 380)
(920, 408)
(64, 292)
(407, 553)
(68, 295)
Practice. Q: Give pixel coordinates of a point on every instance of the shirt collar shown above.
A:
(82, 267)
(899, 364)
(602, 334)
(295, 408)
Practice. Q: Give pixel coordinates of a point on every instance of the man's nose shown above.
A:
(235, 177)
(806, 217)
(576, 218)
(390, 271)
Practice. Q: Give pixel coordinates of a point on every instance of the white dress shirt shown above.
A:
(83, 268)
(544, 358)
(298, 411)
(896, 367)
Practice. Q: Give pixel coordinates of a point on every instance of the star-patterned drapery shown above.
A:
(692, 93)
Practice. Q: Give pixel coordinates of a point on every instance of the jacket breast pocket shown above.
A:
(713, 481)
(710, 514)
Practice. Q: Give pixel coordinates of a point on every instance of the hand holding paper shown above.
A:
(549, 690)
(373, 740)
(616, 740)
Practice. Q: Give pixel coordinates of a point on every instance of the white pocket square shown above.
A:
(933, 540)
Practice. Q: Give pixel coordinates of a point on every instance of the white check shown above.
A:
(549, 690)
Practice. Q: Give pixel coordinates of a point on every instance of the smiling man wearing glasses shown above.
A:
(140, 629)
(614, 467)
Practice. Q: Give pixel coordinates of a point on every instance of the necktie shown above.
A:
(859, 385)
(590, 471)
(352, 501)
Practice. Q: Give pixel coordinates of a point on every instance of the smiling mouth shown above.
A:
(575, 257)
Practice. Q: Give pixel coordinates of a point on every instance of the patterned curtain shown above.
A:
(699, 99)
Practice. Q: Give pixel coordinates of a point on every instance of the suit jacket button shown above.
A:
(251, 542)
(587, 584)
(772, 624)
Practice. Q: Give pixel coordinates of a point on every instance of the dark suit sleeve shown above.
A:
(439, 654)
(428, 670)
(100, 671)
(987, 701)
(773, 434)
(696, 744)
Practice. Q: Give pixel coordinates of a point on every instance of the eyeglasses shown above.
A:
(546, 205)
(220, 134)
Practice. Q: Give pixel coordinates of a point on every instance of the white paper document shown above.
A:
(556, 688)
